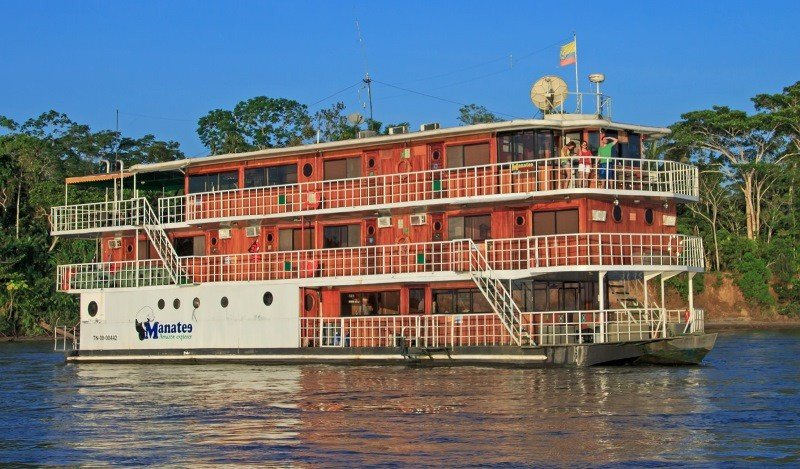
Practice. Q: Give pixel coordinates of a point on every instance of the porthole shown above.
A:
(130, 248)
(370, 230)
(648, 216)
(224, 302)
(371, 162)
(520, 221)
(437, 226)
(270, 237)
(196, 303)
(308, 302)
(161, 304)
(308, 170)
(616, 213)
(436, 155)
(176, 303)
(213, 241)
(92, 308)
(268, 298)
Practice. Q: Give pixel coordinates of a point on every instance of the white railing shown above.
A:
(601, 250)
(543, 175)
(444, 256)
(595, 249)
(483, 329)
(96, 216)
(122, 274)
(160, 240)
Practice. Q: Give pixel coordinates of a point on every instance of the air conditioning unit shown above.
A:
(252, 231)
(400, 129)
(430, 126)
(225, 233)
(115, 243)
(384, 222)
(420, 219)
(367, 133)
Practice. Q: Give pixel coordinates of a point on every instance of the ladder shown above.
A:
(155, 231)
(499, 297)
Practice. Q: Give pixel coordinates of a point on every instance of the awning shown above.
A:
(94, 178)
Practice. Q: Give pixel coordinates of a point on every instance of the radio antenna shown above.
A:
(367, 80)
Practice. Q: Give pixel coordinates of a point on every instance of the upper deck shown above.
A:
(481, 164)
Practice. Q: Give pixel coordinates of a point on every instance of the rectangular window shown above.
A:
(475, 154)
(555, 222)
(370, 303)
(295, 239)
(462, 301)
(346, 168)
(525, 145)
(632, 147)
(341, 236)
(416, 300)
(477, 228)
(544, 144)
(270, 176)
(213, 182)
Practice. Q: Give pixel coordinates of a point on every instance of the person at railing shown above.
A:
(565, 161)
(606, 171)
(585, 166)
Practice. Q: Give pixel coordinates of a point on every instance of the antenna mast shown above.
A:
(367, 80)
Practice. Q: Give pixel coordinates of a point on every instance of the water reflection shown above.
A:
(740, 405)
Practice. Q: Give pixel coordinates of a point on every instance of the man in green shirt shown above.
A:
(606, 170)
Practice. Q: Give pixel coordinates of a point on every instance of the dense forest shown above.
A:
(747, 214)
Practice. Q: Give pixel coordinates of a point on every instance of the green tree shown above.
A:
(332, 124)
(474, 114)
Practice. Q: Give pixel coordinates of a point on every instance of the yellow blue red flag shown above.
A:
(568, 52)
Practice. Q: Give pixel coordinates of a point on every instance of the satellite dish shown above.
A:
(355, 118)
(549, 92)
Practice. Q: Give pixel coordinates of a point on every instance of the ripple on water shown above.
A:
(743, 404)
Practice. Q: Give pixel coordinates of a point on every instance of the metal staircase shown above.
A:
(496, 293)
(155, 231)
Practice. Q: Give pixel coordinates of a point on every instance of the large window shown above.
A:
(270, 176)
(346, 168)
(525, 145)
(462, 301)
(341, 236)
(371, 303)
(477, 228)
(295, 239)
(475, 154)
(190, 246)
(555, 222)
(213, 182)
(543, 295)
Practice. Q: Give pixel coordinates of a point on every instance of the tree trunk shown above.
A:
(749, 210)
(19, 193)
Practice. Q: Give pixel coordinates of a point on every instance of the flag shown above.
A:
(568, 52)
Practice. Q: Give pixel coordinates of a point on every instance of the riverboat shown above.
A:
(477, 244)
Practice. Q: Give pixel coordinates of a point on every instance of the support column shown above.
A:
(664, 277)
(601, 300)
(691, 301)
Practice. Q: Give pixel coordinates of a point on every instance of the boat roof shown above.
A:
(562, 122)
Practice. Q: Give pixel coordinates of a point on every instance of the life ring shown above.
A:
(313, 200)
(403, 168)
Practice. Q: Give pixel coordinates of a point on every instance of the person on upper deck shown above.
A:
(606, 171)
(585, 166)
(565, 161)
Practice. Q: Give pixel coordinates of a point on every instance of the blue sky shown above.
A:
(165, 64)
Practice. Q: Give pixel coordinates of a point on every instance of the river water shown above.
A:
(742, 405)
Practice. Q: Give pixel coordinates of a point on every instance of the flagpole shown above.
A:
(578, 97)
